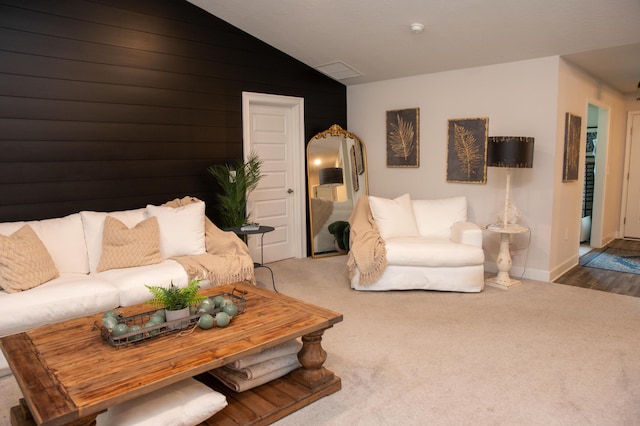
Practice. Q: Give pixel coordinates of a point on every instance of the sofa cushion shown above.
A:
(181, 229)
(66, 297)
(24, 261)
(93, 224)
(124, 247)
(394, 218)
(64, 239)
(185, 403)
(431, 252)
(130, 282)
(435, 217)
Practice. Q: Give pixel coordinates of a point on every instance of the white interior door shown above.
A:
(274, 129)
(632, 213)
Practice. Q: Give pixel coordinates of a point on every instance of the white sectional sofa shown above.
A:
(94, 270)
(404, 244)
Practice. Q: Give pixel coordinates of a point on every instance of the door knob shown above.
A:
(290, 191)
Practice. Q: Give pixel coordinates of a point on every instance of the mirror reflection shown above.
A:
(337, 176)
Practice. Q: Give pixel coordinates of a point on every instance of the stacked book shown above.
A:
(250, 227)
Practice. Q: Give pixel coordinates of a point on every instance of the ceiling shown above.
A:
(372, 37)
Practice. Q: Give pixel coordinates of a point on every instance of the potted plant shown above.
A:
(175, 300)
(236, 183)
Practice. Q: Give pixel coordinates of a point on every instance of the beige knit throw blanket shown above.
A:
(368, 252)
(227, 259)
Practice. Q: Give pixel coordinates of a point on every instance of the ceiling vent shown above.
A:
(338, 70)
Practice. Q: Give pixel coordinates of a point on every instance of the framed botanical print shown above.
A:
(403, 139)
(573, 125)
(467, 150)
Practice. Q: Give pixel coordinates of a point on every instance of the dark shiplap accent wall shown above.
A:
(113, 104)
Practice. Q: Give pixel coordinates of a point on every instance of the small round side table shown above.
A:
(261, 230)
(503, 280)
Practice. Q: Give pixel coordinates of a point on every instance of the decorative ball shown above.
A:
(206, 321)
(162, 314)
(137, 336)
(110, 314)
(230, 309)
(151, 323)
(120, 329)
(222, 319)
(205, 307)
(109, 322)
(218, 301)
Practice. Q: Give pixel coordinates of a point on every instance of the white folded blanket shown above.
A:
(287, 348)
(239, 383)
(263, 368)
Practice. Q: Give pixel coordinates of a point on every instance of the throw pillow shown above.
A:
(435, 217)
(24, 261)
(394, 218)
(181, 229)
(125, 248)
(93, 224)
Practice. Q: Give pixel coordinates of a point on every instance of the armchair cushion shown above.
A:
(435, 217)
(466, 233)
(419, 251)
(394, 218)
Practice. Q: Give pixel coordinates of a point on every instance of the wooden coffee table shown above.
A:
(68, 374)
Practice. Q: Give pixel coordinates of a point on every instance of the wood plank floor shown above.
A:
(602, 279)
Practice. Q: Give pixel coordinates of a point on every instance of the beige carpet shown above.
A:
(537, 354)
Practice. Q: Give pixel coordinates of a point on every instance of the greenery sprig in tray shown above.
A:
(150, 325)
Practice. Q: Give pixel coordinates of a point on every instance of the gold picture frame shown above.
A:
(467, 150)
(403, 138)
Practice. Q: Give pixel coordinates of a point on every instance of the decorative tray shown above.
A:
(147, 332)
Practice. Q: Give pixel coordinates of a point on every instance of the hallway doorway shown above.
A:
(595, 160)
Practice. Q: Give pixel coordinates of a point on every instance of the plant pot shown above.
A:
(181, 314)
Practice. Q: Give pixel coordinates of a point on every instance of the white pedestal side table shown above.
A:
(503, 280)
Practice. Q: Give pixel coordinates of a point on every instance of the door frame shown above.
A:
(627, 165)
(597, 239)
(296, 105)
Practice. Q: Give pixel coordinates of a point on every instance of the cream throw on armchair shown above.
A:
(368, 252)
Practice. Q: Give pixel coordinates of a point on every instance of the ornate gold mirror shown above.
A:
(337, 176)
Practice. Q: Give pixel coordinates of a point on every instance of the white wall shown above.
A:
(527, 98)
(576, 90)
(519, 99)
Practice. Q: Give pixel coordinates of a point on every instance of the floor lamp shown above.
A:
(510, 152)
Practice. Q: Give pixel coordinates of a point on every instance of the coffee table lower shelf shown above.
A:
(268, 403)
(259, 406)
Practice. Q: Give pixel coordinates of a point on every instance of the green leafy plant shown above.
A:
(236, 182)
(175, 298)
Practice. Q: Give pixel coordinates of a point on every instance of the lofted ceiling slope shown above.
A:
(372, 37)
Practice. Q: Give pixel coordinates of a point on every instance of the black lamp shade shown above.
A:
(331, 176)
(510, 151)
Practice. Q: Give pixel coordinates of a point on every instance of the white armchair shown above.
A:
(428, 245)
